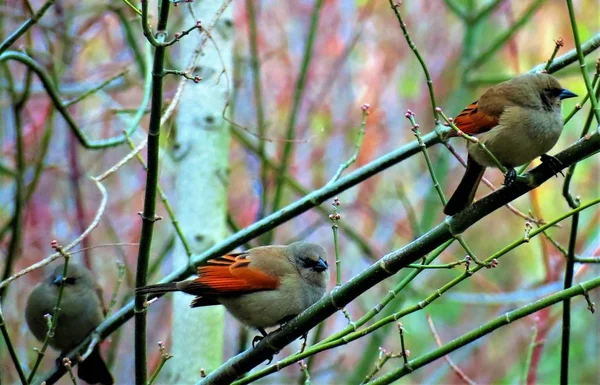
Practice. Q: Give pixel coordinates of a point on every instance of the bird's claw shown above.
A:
(256, 340)
(555, 165)
(510, 177)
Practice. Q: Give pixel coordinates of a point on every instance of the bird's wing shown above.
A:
(229, 275)
(475, 120)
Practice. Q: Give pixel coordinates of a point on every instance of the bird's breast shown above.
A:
(521, 135)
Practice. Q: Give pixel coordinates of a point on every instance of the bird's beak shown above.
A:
(566, 94)
(58, 279)
(321, 265)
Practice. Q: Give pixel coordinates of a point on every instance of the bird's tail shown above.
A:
(465, 192)
(159, 288)
(93, 369)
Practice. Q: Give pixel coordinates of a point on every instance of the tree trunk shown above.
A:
(201, 152)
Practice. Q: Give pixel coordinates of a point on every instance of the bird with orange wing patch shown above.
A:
(517, 120)
(261, 287)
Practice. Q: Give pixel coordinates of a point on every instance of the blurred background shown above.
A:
(360, 56)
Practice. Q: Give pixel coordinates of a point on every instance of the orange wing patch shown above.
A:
(230, 274)
(473, 121)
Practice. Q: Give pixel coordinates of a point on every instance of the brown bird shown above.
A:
(517, 120)
(81, 311)
(262, 287)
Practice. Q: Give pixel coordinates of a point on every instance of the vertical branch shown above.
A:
(570, 266)
(258, 103)
(566, 327)
(298, 92)
(11, 349)
(581, 59)
(19, 197)
(149, 213)
(412, 46)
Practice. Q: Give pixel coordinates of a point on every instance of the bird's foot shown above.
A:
(304, 338)
(510, 177)
(257, 339)
(555, 165)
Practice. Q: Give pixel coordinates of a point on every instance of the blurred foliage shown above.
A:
(360, 56)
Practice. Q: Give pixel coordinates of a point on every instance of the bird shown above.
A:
(262, 287)
(518, 120)
(81, 311)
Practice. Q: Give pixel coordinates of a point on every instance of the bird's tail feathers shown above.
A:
(465, 192)
(159, 288)
(93, 369)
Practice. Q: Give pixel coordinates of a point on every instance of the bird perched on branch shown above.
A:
(517, 120)
(261, 287)
(81, 311)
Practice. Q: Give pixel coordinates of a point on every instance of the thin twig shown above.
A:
(415, 129)
(438, 341)
(11, 350)
(68, 247)
(395, 6)
(164, 357)
(359, 140)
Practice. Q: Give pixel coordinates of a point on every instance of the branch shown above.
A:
(25, 26)
(570, 57)
(149, 213)
(392, 263)
(483, 330)
(60, 106)
(311, 200)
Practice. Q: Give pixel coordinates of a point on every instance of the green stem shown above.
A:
(14, 246)
(297, 98)
(56, 100)
(25, 26)
(532, 345)
(132, 38)
(293, 184)
(456, 9)
(485, 329)
(95, 89)
(350, 334)
(580, 105)
(166, 203)
(415, 129)
(149, 211)
(358, 144)
(11, 349)
(566, 316)
(504, 37)
(557, 44)
(419, 58)
(485, 12)
(387, 298)
(368, 278)
(581, 59)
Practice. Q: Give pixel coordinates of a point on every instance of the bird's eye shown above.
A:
(308, 262)
(553, 91)
(70, 280)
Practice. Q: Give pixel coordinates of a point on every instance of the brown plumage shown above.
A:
(517, 120)
(261, 287)
(82, 310)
